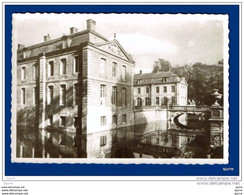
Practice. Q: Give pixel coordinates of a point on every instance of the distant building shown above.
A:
(74, 97)
(161, 88)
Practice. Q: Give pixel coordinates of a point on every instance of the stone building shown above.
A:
(74, 97)
(161, 88)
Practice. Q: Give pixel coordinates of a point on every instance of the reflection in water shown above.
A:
(187, 136)
(183, 136)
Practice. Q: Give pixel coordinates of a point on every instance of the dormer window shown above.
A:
(28, 52)
(64, 44)
(138, 81)
(24, 54)
(164, 80)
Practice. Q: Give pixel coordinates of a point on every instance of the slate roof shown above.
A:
(154, 75)
(56, 44)
(156, 78)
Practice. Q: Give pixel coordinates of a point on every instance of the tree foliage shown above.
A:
(161, 65)
(201, 79)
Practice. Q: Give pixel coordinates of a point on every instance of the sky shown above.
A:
(180, 39)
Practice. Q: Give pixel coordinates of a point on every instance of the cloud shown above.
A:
(141, 44)
(190, 43)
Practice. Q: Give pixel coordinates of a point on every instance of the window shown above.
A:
(157, 140)
(50, 120)
(114, 95)
(164, 80)
(34, 71)
(62, 139)
(114, 120)
(76, 94)
(172, 88)
(103, 120)
(147, 89)
(114, 69)
(139, 102)
(148, 101)
(50, 68)
(34, 96)
(157, 89)
(123, 73)
(157, 100)
(124, 120)
(75, 122)
(165, 100)
(102, 90)
(62, 95)
(62, 121)
(63, 67)
(103, 140)
(124, 99)
(24, 54)
(50, 95)
(103, 66)
(138, 81)
(64, 44)
(23, 96)
(49, 137)
(76, 64)
(165, 89)
(139, 90)
(102, 94)
(173, 100)
(23, 73)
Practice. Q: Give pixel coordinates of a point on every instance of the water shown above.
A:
(187, 136)
(184, 136)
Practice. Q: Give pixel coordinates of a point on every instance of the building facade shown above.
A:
(74, 97)
(161, 88)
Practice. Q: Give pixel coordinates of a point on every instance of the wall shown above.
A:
(95, 79)
(169, 94)
(149, 120)
(182, 91)
(153, 94)
(29, 116)
(96, 109)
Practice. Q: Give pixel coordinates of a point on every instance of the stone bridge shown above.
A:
(173, 111)
(150, 118)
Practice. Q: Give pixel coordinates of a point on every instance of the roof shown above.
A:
(157, 78)
(155, 75)
(74, 39)
(74, 36)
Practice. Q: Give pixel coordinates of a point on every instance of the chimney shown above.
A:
(91, 24)
(73, 30)
(140, 71)
(20, 46)
(47, 38)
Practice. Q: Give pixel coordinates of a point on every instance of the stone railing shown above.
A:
(188, 108)
(173, 108)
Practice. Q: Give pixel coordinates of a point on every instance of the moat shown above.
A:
(187, 136)
(184, 135)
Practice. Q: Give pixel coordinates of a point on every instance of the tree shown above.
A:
(201, 79)
(161, 65)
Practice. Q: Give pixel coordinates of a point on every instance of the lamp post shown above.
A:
(216, 125)
(217, 96)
